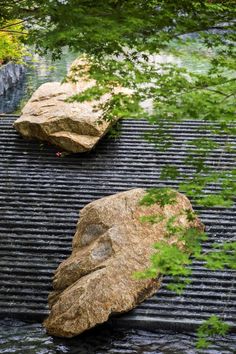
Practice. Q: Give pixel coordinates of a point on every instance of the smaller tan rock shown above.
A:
(109, 246)
(74, 127)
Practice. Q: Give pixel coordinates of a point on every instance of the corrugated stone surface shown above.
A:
(40, 198)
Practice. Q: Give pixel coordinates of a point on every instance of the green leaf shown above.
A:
(93, 93)
(210, 328)
(161, 196)
(152, 219)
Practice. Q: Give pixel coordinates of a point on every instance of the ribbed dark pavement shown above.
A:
(40, 199)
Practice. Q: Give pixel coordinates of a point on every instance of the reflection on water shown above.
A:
(43, 69)
(39, 71)
(22, 338)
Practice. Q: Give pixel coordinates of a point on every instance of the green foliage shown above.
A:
(222, 256)
(215, 200)
(152, 219)
(108, 27)
(196, 185)
(161, 196)
(119, 36)
(169, 260)
(169, 172)
(203, 145)
(210, 328)
(193, 239)
(120, 106)
(191, 216)
(11, 47)
(115, 131)
(92, 93)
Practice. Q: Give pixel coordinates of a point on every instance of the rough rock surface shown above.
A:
(109, 246)
(72, 126)
(10, 75)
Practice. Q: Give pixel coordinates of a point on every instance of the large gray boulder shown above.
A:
(72, 126)
(109, 246)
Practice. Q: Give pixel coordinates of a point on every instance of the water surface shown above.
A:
(38, 71)
(24, 338)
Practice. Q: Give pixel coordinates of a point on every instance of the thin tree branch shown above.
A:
(12, 24)
(13, 31)
(219, 92)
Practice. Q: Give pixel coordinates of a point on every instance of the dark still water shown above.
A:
(22, 338)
